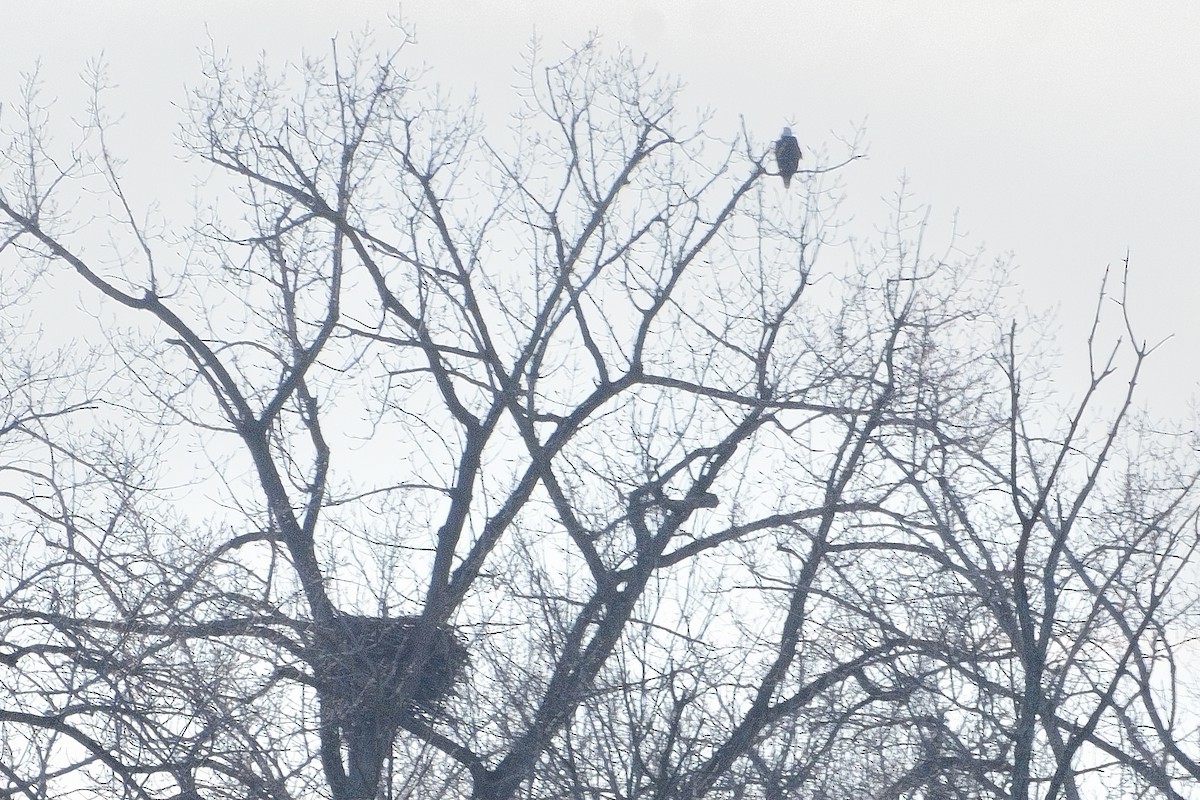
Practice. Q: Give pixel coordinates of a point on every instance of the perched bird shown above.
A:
(787, 156)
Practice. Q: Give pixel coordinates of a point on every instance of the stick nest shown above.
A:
(386, 669)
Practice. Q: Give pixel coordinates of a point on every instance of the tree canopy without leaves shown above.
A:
(569, 457)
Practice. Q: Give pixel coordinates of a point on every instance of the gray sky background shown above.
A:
(1065, 133)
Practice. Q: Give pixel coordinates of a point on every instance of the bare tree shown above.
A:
(548, 462)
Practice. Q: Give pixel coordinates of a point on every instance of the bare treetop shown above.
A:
(562, 456)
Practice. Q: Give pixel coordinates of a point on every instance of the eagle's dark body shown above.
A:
(787, 156)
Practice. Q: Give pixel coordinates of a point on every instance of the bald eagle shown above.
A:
(787, 156)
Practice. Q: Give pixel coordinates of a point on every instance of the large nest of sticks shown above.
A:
(386, 669)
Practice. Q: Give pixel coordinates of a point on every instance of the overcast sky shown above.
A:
(1065, 133)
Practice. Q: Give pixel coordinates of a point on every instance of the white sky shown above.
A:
(1063, 132)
